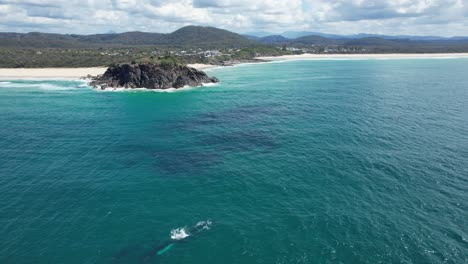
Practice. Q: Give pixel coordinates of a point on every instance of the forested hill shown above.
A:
(373, 44)
(194, 44)
(215, 38)
(190, 36)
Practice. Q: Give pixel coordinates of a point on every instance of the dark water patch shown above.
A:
(213, 136)
(249, 140)
(179, 161)
(212, 149)
(237, 116)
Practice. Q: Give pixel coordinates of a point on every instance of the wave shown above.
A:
(85, 83)
(53, 87)
(280, 59)
(213, 68)
(168, 90)
(210, 84)
(44, 85)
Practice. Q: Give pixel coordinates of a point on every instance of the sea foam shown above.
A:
(48, 86)
(182, 232)
(179, 233)
(205, 225)
(168, 90)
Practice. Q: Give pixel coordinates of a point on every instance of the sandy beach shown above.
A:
(25, 73)
(20, 73)
(364, 56)
(202, 67)
(43, 73)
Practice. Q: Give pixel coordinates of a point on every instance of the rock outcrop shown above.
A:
(151, 76)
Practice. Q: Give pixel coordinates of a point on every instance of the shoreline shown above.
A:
(44, 73)
(309, 56)
(66, 73)
(80, 73)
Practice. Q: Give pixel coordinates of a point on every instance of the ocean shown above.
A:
(326, 161)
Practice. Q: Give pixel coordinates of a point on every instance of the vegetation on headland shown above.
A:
(190, 45)
(54, 57)
(186, 37)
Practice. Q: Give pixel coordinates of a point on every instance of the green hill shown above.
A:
(190, 36)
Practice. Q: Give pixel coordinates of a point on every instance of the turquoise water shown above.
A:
(347, 161)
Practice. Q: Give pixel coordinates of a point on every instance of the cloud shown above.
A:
(440, 17)
(32, 3)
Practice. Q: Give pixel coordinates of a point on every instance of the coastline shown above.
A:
(309, 56)
(70, 73)
(44, 73)
(77, 73)
(202, 67)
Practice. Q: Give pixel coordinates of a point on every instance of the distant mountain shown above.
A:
(459, 38)
(206, 37)
(273, 39)
(298, 34)
(127, 38)
(259, 34)
(251, 37)
(289, 34)
(37, 40)
(315, 40)
(190, 36)
(215, 38)
(361, 40)
(375, 41)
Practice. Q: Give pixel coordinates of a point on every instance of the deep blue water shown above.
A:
(345, 161)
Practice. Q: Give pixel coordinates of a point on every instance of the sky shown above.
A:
(390, 17)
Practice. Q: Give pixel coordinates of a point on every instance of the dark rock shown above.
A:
(151, 76)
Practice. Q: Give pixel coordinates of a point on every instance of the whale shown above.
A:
(176, 236)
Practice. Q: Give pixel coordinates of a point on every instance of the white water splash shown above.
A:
(53, 87)
(210, 84)
(168, 90)
(205, 225)
(42, 86)
(179, 233)
(182, 232)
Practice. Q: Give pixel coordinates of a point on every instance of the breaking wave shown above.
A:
(48, 86)
(168, 90)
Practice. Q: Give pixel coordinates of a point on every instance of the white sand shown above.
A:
(202, 67)
(365, 56)
(20, 73)
(25, 73)
(49, 72)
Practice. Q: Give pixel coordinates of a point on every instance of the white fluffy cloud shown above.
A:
(421, 17)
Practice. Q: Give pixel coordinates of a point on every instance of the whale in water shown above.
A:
(176, 236)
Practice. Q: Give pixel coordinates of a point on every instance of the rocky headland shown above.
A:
(151, 76)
